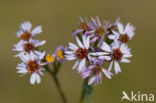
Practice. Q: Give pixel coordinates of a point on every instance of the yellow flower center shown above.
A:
(50, 58)
(60, 54)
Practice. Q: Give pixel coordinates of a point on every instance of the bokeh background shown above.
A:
(59, 18)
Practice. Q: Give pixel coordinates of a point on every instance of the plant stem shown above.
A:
(87, 91)
(57, 83)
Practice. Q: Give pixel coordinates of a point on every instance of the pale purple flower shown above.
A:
(32, 64)
(99, 31)
(114, 53)
(25, 32)
(80, 53)
(124, 35)
(84, 26)
(95, 70)
(60, 53)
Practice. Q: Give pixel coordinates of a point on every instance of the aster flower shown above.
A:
(115, 54)
(27, 46)
(124, 35)
(32, 64)
(60, 52)
(25, 32)
(84, 26)
(80, 53)
(95, 70)
(98, 31)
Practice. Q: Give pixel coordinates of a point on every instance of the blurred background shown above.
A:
(59, 18)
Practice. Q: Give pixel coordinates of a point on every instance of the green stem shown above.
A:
(87, 91)
(57, 83)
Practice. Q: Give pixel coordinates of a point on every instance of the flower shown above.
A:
(32, 64)
(25, 32)
(50, 58)
(114, 53)
(27, 46)
(84, 26)
(60, 52)
(99, 31)
(95, 69)
(80, 52)
(124, 35)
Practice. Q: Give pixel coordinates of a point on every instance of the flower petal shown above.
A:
(82, 65)
(73, 46)
(91, 80)
(35, 78)
(117, 67)
(105, 47)
(79, 42)
(37, 30)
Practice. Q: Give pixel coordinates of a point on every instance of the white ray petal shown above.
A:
(120, 27)
(98, 53)
(91, 80)
(110, 66)
(76, 64)
(123, 60)
(73, 46)
(79, 42)
(35, 78)
(117, 67)
(37, 30)
(106, 73)
(82, 65)
(105, 47)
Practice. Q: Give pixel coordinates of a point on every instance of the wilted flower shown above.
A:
(27, 46)
(31, 63)
(84, 27)
(99, 31)
(80, 52)
(124, 35)
(95, 70)
(25, 32)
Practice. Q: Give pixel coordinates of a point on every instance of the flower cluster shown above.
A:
(33, 60)
(98, 43)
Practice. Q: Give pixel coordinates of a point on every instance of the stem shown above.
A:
(87, 92)
(57, 83)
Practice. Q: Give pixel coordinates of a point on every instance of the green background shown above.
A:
(59, 18)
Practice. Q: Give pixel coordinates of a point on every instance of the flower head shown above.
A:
(95, 70)
(114, 53)
(80, 52)
(60, 53)
(27, 46)
(99, 31)
(84, 26)
(25, 32)
(32, 64)
(50, 58)
(124, 35)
